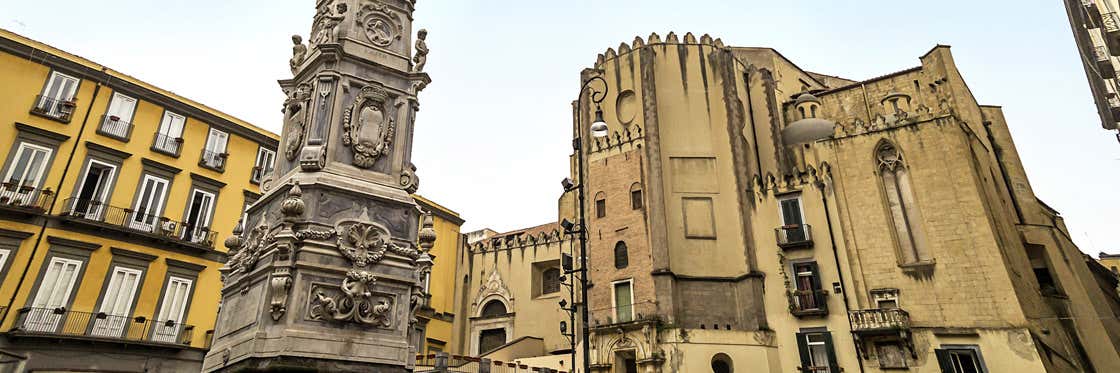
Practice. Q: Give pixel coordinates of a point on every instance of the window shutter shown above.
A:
(833, 366)
(944, 361)
(816, 275)
(803, 349)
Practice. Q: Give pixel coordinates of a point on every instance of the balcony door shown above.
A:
(149, 202)
(808, 285)
(196, 227)
(93, 190)
(117, 304)
(119, 114)
(60, 88)
(54, 292)
(215, 145)
(792, 223)
(169, 322)
(24, 175)
(170, 130)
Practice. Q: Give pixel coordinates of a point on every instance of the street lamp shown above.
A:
(598, 129)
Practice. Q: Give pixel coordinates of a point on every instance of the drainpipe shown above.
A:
(58, 190)
(839, 272)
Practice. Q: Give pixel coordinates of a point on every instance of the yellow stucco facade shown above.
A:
(440, 311)
(114, 199)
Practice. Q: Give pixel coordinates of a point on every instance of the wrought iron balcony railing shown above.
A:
(808, 302)
(64, 322)
(167, 144)
(129, 220)
(60, 110)
(794, 236)
(25, 198)
(114, 126)
(213, 160)
(641, 311)
(877, 320)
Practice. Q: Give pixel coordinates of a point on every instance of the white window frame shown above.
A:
(165, 124)
(260, 168)
(4, 254)
(94, 212)
(170, 334)
(60, 96)
(42, 317)
(24, 146)
(800, 208)
(614, 297)
(809, 344)
(195, 234)
(115, 323)
(155, 205)
(123, 122)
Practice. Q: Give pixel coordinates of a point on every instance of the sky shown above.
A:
(492, 133)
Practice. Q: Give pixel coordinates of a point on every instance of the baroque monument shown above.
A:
(326, 271)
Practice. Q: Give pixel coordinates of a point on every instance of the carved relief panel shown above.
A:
(367, 126)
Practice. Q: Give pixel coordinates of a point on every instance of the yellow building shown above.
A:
(113, 195)
(439, 314)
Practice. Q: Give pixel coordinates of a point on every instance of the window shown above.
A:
(817, 354)
(721, 363)
(117, 117)
(600, 205)
(149, 203)
(550, 281)
(196, 226)
(265, 160)
(490, 339)
(214, 154)
(54, 292)
(169, 321)
(57, 100)
(493, 308)
(4, 254)
(1047, 284)
(621, 257)
(885, 299)
(25, 174)
(117, 302)
(636, 196)
(93, 190)
(793, 227)
(623, 301)
(960, 359)
(170, 134)
(902, 206)
(808, 294)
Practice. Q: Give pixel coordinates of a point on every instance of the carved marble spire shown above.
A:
(328, 269)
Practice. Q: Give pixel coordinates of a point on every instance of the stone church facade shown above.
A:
(745, 213)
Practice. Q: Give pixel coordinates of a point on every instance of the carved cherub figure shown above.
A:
(421, 56)
(299, 52)
(328, 26)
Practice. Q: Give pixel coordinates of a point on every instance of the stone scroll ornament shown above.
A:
(381, 25)
(367, 128)
(357, 303)
(295, 120)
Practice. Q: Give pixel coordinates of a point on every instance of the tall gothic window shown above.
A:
(903, 208)
(621, 257)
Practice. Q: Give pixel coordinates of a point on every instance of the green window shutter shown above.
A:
(944, 361)
(833, 366)
(803, 349)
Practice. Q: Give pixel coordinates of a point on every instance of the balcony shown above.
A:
(25, 199)
(879, 321)
(1111, 31)
(125, 220)
(115, 127)
(1104, 62)
(793, 236)
(60, 322)
(167, 144)
(808, 303)
(213, 160)
(1092, 13)
(630, 314)
(60, 110)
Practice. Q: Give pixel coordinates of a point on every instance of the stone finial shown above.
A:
(600, 59)
(706, 39)
(718, 43)
(654, 38)
(638, 43)
(233, 242)
(610, 53)
(689, 38)
(623, 48)
(427, 236)
(293, 205)
(671, 38)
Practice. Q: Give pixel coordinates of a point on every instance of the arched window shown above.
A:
(721, 363)
(600, 205)
(621, 257)
(550, 281)
(493, 308)
(636, 196)
(903, 207)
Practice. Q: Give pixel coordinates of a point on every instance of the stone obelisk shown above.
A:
(326, 272)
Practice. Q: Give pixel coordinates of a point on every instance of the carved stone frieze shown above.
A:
(324, 28)
(381, 24)
(295, 119)
(353, 302)
(367, 128)
(313, 234)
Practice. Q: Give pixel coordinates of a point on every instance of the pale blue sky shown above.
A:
(492, 137)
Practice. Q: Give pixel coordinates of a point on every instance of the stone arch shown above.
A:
(721, 363)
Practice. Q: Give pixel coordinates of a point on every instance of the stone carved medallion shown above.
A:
(355, 303)
(363, 243)
(295, 120)
(381, 25)
(367, 128)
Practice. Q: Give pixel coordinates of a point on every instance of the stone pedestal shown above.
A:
(327, 271)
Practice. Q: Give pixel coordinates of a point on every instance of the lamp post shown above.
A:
(598, 129)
